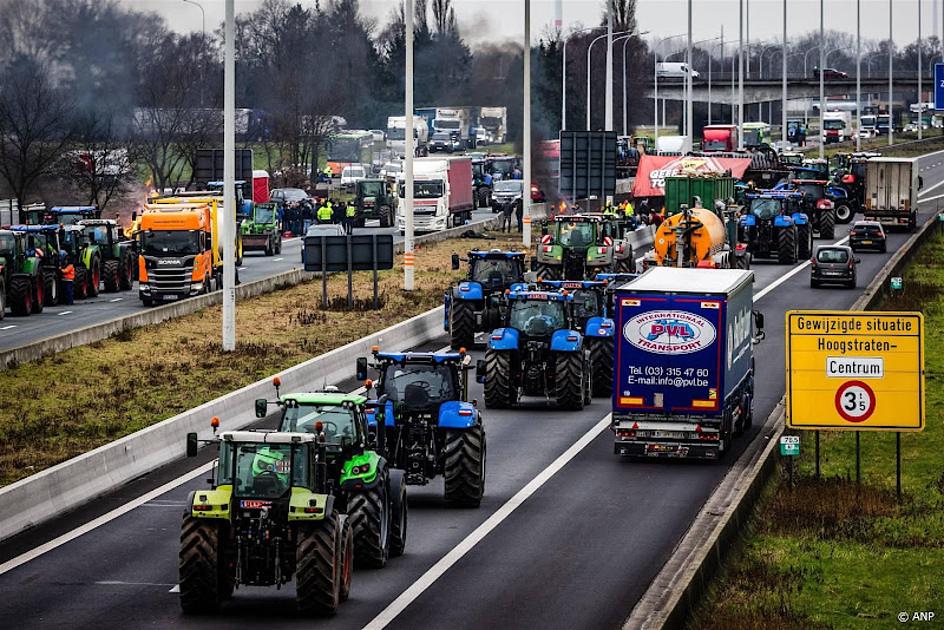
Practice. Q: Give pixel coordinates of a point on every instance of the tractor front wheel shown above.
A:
(200, 571)
(601, 366)
(39, 293)
(461, 325)
(844, 213)
(94, 278)
(369, 512)
(827, 224)
(318, 567)
(499, 390)
(804, 241)
(111, 272)
(21, 296)
(346, 554)
(80, 284)
(464, 470)
(3, 300)
(51, 289)
(787, 245)
(127, 273)
(570, 380)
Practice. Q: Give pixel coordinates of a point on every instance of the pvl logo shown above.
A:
(669, 332)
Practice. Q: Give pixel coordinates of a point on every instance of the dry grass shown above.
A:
(69, 403)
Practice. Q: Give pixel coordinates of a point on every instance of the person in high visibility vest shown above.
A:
(68, 278)
(628, 209)
(349, 214)
(608, 209)
(325, 212)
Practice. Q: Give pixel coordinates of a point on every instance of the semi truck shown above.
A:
(891, 191)
(442, 194)
(349, 148)
(719, 139)
(396, 135)
(495, 122)
(837, 126)
(684, 368)
(456, 120)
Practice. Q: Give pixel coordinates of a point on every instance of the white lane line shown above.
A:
(456, 553)
(121, 583)
(65, 312)
(241, 268)
(113, 300)
(176, 589)
(929, 199)
(929, 189)
(32, 554)
(277, 259)
(773, 285)
(8, 327)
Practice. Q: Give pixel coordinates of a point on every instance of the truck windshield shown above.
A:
(536, 318)
(510, 185)
(576, 234)
(714, 145)
(834, 124)
(337, 422)
(765, 209)
(494, 272)
(424, 190)
(396, 133)
(264, 214)
(174, 242)
(419, 385)
(447, 123)
(371, 189)
(263, 471)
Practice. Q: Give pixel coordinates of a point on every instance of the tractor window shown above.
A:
(97, 234)
(7, 246)
(495, 272)
(765, 209)
(586, 304)
(815, 191)
(264, 214)
(419, 386)
(371, 189)
(263, 471)
(576, 234)
(68, 218)
(537, 318)
(338, 422)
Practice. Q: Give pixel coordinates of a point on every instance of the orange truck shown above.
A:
(179, 254)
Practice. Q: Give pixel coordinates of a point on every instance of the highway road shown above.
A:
(55, 320)
(568, 536)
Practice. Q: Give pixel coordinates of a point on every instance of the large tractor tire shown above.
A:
(202, 575)
(787, 245)
(50, 289)
(318, 567)
(80, 284)
(3, 299)
(94, 278)
(346, 554)
(461, 324)
(128, 270)
(385, 216)
(21, 296)
(111, 275)
(39, 293)
(464, 469)
(827, 224)
(369, 512)
(804, 241)
(499, 391)
(601, 366)
(398, 513)
(844, 213)
(570, 380)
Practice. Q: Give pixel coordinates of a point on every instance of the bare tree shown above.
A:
(99, 163)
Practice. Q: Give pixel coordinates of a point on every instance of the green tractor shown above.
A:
(261, 230)
(119, 258)
(43, 243)
(373, 201)
(86, 257)
(364, 486)
(270, 516)
(577, 247)
(22, 286)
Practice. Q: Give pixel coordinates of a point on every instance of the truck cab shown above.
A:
(179, 257)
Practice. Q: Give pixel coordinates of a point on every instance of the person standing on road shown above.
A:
(68, 277)
(507, 209)
(324, 212)
(350, 212)
(519, 214)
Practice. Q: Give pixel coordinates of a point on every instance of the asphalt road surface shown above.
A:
(56, 320)
(568, 536)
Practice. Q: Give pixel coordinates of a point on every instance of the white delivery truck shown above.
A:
(456, 121)
(891, 191)
(837, 126)
(396, 135)
(495, 122)
(442, 194)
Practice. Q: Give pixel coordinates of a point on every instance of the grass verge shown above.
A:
(833, 554)
(69, 403)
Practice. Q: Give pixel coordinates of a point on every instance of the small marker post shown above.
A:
(858, 459)
(817, 454)
(898, 464)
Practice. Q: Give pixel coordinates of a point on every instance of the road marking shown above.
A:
(416, 589)
(176, 589)
(32, 554)
(115, 300)
(773, 285)
(65, 312)
(241, 268)
(8, 327)
(277, 259)
(929, 189)
(120, 583)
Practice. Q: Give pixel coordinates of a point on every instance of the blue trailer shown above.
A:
(684, 377)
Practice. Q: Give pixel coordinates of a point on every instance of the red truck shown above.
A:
(442, 193)
(719, 138)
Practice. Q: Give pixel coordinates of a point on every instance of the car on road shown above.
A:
(833, 264)
(867, 235)
(352, 174)
(322, 229)
(506, 193)
(830, 73)
(289, 196)
(444, 141)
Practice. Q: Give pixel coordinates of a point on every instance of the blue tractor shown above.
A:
(475, 305)
(538, 352)
(424, 422)
(774, 226)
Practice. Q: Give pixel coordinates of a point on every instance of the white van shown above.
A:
(673, 70)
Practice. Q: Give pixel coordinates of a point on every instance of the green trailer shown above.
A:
(680, 190)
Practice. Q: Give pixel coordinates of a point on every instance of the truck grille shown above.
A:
(175, 280)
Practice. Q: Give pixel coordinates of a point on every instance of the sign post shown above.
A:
(939, 86)
(790, 448)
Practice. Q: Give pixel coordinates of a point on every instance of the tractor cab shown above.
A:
(70, 215)
(243, 197)
(573, 246)
(475, 304)
(588, 298)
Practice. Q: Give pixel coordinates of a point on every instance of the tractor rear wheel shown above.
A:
(200, 571)
(601, 366)
(39, 293)
(369, 513)
(787, 245)
(111, 273)
(570, 380)
(827, 224)
(3, 300)
(804, 241)
(94, 278)
(318, 567)
(499, 390)
(464, 469)
(80, 285)
(51, 289)
(461, 325)
(21, 296)
(127, 272)
(398, 513)
(346, 554)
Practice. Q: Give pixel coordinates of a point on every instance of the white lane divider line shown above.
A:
(773, 285)
(929, 189)
(456, 553)
(32, 554)
(176, 589)
(8, 327)
(65, 312)
(122, 583)
(113, 300)
(278, 259)
(241, 268)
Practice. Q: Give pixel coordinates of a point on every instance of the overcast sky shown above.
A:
(500, 20)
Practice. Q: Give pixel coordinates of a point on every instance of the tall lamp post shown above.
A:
(783, 79)
(589, 50)
(409, 151)
(229, 178)
(858, 74)
(564, 74)
(920, 96)
(822, 89)
(526, 189)
(891, 71)
(721, 44)
(655, 80)
(626, 39)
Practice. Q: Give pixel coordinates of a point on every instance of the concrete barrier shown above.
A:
(72, 483)
(104, 330)
(685, 577)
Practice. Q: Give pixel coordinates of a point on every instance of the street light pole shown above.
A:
(858, 74)
(564, 75)
(409, 256)
(589, 49)
(228, 210)
(891, 71)
(526, 189)
(740, 75)
(608, 94)
(655, 80)
(202, 13)
(783, 79)
(822, 89)
(721, 44)
(920, 97)
(689, 104)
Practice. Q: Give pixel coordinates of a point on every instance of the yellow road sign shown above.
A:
(858, 370)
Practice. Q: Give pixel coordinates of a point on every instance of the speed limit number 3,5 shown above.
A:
(859, 370)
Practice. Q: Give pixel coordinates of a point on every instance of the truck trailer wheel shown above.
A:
(570, 380)
(787, 245)
(804, 241)
(318, 567)
(21, 296)
(398, 513)
(110, 274)
(499, 390)
(464, 469)
(601, 366)
(199, 568)
(827, 224)
(369, 513)
(461, 325)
